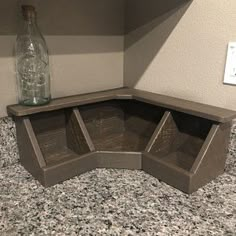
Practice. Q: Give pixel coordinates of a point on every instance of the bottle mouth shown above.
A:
(28, 12)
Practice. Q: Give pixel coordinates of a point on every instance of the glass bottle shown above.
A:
(32, 62)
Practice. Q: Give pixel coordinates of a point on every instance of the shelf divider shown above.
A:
(157, 131)
(82, 132)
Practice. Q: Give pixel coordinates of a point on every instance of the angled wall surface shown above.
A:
(183, 52)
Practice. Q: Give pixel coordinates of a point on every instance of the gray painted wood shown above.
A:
(171, 174)
(157, 131)
(180, 139)
(188, 107)
(192, 108)
(76, 140)
(120, 125)
(124, 129)
(83, 129)
(30, 154)
(119, 160)
(59, 172)
(27, 127)
(210, 162)
(71, 101)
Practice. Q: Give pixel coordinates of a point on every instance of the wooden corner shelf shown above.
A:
(181, 142)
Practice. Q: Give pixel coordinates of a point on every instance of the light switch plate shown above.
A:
(230, 68)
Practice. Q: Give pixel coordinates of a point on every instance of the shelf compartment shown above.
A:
(59, 135)
(121, 125)
(54, 139)
(186, 151)
(181, 139)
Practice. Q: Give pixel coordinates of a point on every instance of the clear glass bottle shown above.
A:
(32, 62)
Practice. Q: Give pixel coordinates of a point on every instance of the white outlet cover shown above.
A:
(230, 68)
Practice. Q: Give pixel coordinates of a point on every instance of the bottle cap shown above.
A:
(28, 12)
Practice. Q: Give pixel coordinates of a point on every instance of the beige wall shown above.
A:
(184, 54)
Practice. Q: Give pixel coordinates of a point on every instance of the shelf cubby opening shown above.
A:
(180, 139)
(59, 136)
(121, 125)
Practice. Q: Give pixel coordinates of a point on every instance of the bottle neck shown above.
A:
(29, 14)
(29, 27)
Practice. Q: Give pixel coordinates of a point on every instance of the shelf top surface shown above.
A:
(193, 108)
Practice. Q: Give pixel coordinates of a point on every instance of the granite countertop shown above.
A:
(111, 202)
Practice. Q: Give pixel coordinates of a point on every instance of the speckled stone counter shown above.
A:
(111, 202)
